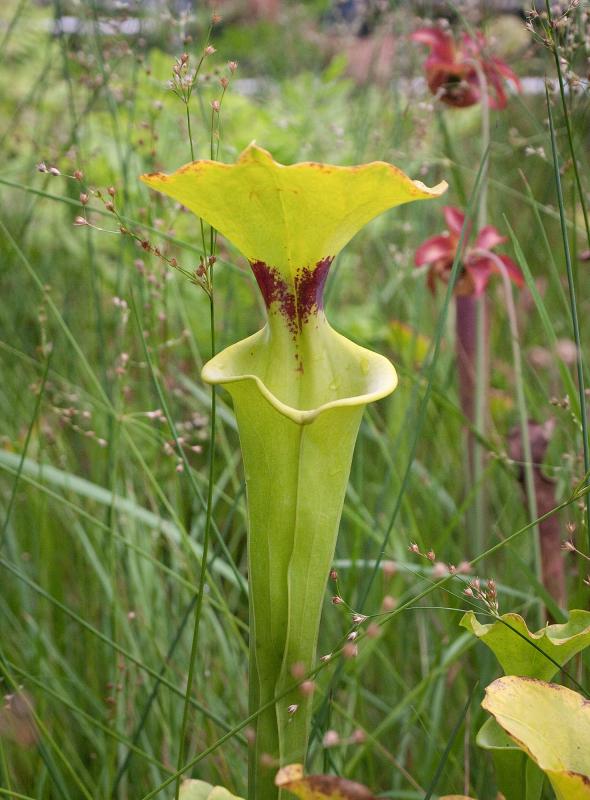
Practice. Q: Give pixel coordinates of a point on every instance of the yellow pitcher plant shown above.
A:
(299, 389)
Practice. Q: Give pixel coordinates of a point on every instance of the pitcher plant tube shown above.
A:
(299, 389)
(478, 263)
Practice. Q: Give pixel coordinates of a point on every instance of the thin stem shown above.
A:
(4, 769)
(568, 260)
(12, 25)
(443, 760)
(208, 262)
(190, 133)
(25, 450)
(568, 127)
(206, 539)
(521, 403)
(151, 698)
(573, 307)
(212, 142)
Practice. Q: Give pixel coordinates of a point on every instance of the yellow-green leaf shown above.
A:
(518, 777)
(199, 790)
(319, 787)
(289, 217)
(510, 640)
(551, 724)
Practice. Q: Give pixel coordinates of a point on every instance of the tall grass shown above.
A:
(104, 523)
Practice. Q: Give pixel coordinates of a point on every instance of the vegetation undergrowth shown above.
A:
(124, 589)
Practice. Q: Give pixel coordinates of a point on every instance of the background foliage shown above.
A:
(101, 534)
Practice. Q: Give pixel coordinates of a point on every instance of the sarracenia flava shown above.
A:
(299, 389)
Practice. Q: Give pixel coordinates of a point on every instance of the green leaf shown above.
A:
(492, 737)
(521, 652)
(551, 724)
(319, 787)
(199, 790)
(517, 776)
(512, 642)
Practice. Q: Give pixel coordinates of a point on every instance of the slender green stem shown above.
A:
(12, 25)
(566, 246)
(206, 539)
(190, 134)
(17, 795)
(152, 696)
(25, 450)
(573, 307)
(522, 413)
(568, 127)
(51, 304)
(4, 769)
(212, 435)
(443, 759)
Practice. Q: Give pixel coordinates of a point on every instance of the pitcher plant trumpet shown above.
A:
(299, 389)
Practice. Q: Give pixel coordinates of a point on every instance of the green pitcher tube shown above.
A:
(297, 463)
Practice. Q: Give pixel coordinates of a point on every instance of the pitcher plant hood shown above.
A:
(290, 222)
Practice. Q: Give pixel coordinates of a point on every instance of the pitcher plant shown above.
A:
(299, 389)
